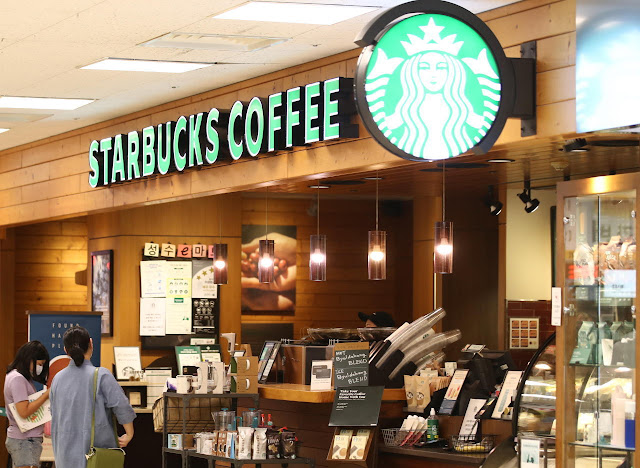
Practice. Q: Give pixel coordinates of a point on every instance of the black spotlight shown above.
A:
(530, 205)
(495, 205)
(577, 145)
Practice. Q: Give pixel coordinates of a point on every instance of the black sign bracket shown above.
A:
(524, 106)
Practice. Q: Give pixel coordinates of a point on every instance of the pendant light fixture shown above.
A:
(443, 254)
(220, 258)
(318, 248)
(266, 249)
(377, 258)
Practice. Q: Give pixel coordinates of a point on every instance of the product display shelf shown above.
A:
(596, 227)
(258, 463)
(190, 427)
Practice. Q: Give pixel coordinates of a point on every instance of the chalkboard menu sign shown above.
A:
(351, 364)
(356, 406)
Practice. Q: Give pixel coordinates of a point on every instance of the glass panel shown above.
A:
(600, 290)
(538, 400)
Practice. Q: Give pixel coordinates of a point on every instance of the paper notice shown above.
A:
(178, 316)
(179, 279)
(202, 282)
(556, 307)
(153, 278)
(152, 316)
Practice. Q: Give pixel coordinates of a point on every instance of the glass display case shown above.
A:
(596, 262)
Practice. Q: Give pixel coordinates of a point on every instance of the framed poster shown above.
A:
(102, 288)
(127, 360)
(279, 296)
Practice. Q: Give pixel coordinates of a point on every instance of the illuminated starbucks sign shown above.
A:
(299, 116)
(432, 81)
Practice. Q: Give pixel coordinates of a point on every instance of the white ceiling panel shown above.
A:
(40, 54)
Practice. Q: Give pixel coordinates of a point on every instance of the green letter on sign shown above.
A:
(293, 116)
(133, 156)
(94, 175)
(118, 160)
(148, 154)
(105, 146)
(212, 135)
(179, 159)
(195, 122)
(331, 131)
(311, 133)
(235, 147)
(275, 121)
(254, 112)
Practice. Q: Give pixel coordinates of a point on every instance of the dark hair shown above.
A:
(76, 341)
(26, 358)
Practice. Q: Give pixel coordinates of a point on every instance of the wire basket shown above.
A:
(400, 438)
(473, 443)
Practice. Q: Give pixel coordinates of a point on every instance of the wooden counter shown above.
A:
(304, 394)
(437, 455)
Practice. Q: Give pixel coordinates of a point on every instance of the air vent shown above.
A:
(213, 42)
(343, 182)
(614, 143)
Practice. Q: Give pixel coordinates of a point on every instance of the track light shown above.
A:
(530, 205)
(577, 145)
(495, 205)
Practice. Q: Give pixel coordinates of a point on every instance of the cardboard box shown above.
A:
(244, 384)
(244, 365)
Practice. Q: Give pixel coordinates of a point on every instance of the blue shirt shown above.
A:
(72, 407)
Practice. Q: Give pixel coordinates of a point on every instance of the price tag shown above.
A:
(151, 249)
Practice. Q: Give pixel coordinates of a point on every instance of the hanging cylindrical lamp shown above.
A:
(265, 260)
(220, 263)
(443, 248)
(318, 248)
(266, 253)
(377, 252)
(318, 257)
(377, 258)
(443, 255)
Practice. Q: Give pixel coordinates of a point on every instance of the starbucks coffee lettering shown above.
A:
(319, 111)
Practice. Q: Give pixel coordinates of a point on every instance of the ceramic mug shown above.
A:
(184, 384)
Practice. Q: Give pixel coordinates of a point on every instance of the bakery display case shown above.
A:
(596, 270)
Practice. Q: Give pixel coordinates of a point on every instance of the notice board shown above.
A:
(49, 328)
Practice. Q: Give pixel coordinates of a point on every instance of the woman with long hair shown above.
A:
(30, 365)
(72, 405)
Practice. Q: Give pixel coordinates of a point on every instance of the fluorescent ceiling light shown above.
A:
(13, 102)
(157, 66)
(2, 130)
(302, 13)
(179, 40)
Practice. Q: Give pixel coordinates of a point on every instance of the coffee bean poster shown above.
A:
(280, 295)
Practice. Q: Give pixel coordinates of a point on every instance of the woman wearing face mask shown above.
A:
(72, 406)
(30, 365)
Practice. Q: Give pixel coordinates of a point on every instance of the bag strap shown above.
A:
(93, 416)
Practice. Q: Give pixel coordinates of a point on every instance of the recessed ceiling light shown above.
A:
(319, 186)
(13, 102)
(2, 130)
(154, 66)
(373, 178)
(213, 41)
(500, 160)
(301, 13)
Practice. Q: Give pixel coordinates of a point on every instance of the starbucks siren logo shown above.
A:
(432, 86)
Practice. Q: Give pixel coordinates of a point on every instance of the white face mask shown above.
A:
(39, 369)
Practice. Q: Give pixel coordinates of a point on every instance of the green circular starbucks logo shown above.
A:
(430, 87)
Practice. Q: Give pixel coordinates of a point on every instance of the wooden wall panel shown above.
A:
(190, 222)
(47, 257)
(47, 179)
(7, 280)
(336, 302)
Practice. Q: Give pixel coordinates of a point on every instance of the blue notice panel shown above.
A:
(49, 328)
